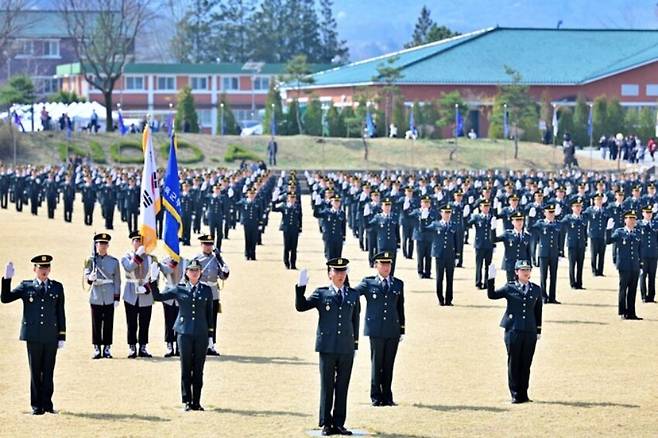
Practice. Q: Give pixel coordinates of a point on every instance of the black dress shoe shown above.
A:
(212, 352)
(50, 411)
(376, 403)
(449, 304)
(390, 403)
(516, 401)
(37, 411)
(327, 430)
(634, 318)
(197, 408)
(340, 430)
(188, 407)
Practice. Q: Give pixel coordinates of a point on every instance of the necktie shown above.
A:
(385, 284)
(340, 296)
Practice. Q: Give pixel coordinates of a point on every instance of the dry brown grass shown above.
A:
(593, 374)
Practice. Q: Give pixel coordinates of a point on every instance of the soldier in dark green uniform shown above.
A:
(43, 327)
(384, 324)
(291, 225)
(522, 324)
(576, 225)
(251, 217)
(194, 329)
(627, 246)
(337, 338)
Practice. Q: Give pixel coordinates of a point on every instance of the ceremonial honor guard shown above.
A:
(627, 246)
(194, 329)
(522, 324)
(444, 251)
(103, 275)
(213, 268)
(43, 327)
(337, 338)
(291, 225)
(649, 253)
(384, 325)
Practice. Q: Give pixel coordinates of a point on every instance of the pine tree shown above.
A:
(422, 28)
(232, 21)
(292, 126)
(273, 101)
(647, 123)
(615, 117)
(580, 135)
(333, 49)
(309, 28)
(599, 118)
(193, 41)
(231, 126)
(313, 117)
(335, 122)
(186, 117)
(265, 32)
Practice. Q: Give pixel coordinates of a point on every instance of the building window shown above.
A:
(51, 49)
(652, 89)
(630, 89)
(199, 83)
(242, 115)
(205, 117)
(134, 82)
(230, 83)
(25, 48)
(261, 83)
(166, 83)
(46, 85)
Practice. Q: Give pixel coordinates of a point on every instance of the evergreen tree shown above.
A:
(232, 21)
(352, 122)
(615, 117)
(400, 119)
(298, 73)
(333, 50)
(273, 100)
(599, 118)
(186, 119)
(647, 124)
(631, 120)
(422, 28)
(335, 122)
(265, 32)
(313, 117)
(19, 90)
(231, 126)
(292, 126)
(193, 40)
(580, 135)
(565, 123)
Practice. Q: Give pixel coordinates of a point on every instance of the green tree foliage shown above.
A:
(647, 123)
(231, 126)
(273, 102)
(599, 116)
(580, 135)
(186, 117)
(427, 31)
(19, 90)
(298, 73)
(313, 117)
(614, 117)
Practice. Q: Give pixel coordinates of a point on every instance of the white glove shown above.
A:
(225, 268)
(558, 209)
(116, 304)
(533, 212)
(366, 210)
(92, 276)
(538, 336)
(154, 271)
(210, 343)
(524, 201)
(655, 208)
(406, 204)
(467, 209)
(303, 278)
(60, 345)
(546, 191)
(518, 185)
(230, 192)
(493, 223)
(9, 271)
(424, 214)
(470, 199)
(362, 197)
(140, 251)
(318, 201)
(611, 224)
(491, 274)
(439, 196)
(456, 262)
(401, 338)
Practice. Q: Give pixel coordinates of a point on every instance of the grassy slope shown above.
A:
(334, 153)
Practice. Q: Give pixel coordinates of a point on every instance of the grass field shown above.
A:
(593, 374)
(303, 152)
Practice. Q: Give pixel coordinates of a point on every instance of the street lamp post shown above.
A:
(221, 111)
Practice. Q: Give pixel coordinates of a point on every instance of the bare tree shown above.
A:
(12, 19)
(104, 33)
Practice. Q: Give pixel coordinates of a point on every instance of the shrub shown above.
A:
(117, 153)
(186, 154)
(64, 150)
(236, 152)
(97, 153)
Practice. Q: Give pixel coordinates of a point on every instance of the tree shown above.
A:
(352, 122)
(186, 119)
(313, 117)
(565, 122)
(388, 74)
(292, 118)
(546, 113)
(193, 41)
(333, 50)
(521, 109)
(614, 117)
(335, 122)
(232, 22)
(427, 31)
(400, 116)
(104, 43)
(273, 102)
(298, 73)
(631, 120)
(265, 32)
(647, 123)
(231, 126)
(19, 90)
(430, 114)
(12, 19)
(599, 117)
(580, 135)
(65, 97)
(447, 104)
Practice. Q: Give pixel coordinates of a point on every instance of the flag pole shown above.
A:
(505, 133)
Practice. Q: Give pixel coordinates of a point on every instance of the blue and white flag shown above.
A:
(173, 224)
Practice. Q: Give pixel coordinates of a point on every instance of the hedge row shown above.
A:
(184, 158)
(236, 152)
(117, 150)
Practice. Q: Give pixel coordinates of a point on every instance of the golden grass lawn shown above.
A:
(593, 374)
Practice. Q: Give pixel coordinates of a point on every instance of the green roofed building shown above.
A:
(565, 63)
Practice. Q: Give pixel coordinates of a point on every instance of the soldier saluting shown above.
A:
(522, 324)
(43, 327)
(194, 328)
(103, 275)
(384, 324)
(337, 339)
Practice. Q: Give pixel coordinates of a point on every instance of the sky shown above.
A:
(373, 27)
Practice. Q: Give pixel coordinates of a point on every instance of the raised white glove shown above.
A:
(303, 278)
(493, 223)
(318, 201)
(470, 199)
(467, 209)
(9, 271)
(439, 196)
(424, 214)
(533, 212)
(558, 209)
(140, 251)
(491, 274)
(92, 276)
(655, 208)
(154, 271)
(406, 205)
(230, 192)
(611, 224)
(518, 184)
(366, 210)
(210, 343)
(60, 345)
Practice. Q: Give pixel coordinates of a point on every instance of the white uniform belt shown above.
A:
(135, 281)
(100, 282)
